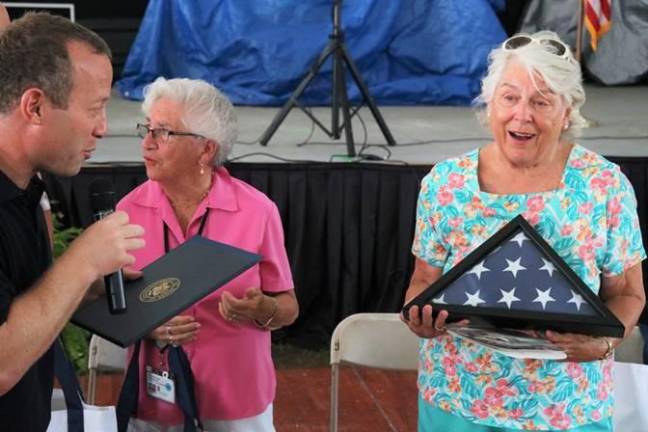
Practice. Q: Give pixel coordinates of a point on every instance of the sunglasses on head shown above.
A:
(552, 45)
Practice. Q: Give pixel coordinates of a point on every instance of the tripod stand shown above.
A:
(339, 97)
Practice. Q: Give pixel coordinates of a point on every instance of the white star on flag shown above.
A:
(577, 299)
(508, 297)
(440, 299)
(478, 270)
(548, 266)
(514, 266)
(519, 239)
(516, 276)
(473, 299)
(544, 297)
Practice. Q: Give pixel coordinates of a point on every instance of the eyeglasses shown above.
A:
(554, 46)
(161, 133)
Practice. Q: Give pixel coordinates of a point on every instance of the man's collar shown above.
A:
(9, 190)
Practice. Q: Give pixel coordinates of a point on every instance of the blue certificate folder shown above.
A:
(168, 286)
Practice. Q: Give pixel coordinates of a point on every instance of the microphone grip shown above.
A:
(102, 202)
(115, 295)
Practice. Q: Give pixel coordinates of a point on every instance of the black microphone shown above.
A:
(102, 202)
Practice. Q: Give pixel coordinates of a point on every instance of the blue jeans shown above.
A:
(431, 419)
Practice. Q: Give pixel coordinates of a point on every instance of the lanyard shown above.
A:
(203, 219)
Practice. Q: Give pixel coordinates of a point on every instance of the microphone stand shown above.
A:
(339, 96)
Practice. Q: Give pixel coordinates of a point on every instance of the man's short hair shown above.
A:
(34, 53)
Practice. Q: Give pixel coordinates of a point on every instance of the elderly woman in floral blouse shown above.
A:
(531, 96)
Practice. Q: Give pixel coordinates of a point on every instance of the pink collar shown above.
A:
(221, 195)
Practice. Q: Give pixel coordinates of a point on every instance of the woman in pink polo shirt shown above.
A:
(190, 127)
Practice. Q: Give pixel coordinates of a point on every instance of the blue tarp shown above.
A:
(257, 51)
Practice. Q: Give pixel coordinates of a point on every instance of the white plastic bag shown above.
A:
(95, 418)
(631, 397)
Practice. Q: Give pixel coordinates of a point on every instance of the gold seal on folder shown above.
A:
(159, 290)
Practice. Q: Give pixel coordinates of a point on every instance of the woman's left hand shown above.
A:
(581, 348)
(254, 305)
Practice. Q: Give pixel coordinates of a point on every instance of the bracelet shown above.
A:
(608, 351)
(267, 322)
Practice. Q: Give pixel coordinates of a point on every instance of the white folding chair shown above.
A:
(104, 356)
(630, 385)
(631, 349)
(378, 340)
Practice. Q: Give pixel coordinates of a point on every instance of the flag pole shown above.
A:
(589, 123)
(579, 32)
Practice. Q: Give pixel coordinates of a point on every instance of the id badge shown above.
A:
(160, 385)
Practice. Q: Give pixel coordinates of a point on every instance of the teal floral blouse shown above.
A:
(591, 221)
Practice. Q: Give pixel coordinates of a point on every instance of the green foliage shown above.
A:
(75, 339)
(62, 236)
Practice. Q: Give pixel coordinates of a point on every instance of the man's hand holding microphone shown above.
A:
(103, 248)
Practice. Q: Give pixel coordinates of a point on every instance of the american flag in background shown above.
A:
(515, 276)
(598, 18)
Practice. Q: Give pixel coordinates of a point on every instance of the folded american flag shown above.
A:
(516, 280)
(516, 275)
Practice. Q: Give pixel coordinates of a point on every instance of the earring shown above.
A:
(566, 126)
(202, 169)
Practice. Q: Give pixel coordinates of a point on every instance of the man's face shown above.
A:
(69, 135)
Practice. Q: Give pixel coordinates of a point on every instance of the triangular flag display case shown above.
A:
(516, 280)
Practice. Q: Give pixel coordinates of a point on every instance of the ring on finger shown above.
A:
(440, 329)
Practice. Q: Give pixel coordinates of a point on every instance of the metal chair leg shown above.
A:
(335, 371)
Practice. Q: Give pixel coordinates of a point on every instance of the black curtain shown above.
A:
(348, 228)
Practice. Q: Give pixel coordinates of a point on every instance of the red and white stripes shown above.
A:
(598, 18)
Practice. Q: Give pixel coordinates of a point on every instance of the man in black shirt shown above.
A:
(55, 79)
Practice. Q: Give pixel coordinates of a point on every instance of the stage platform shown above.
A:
(424, 134)
(349, 226)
